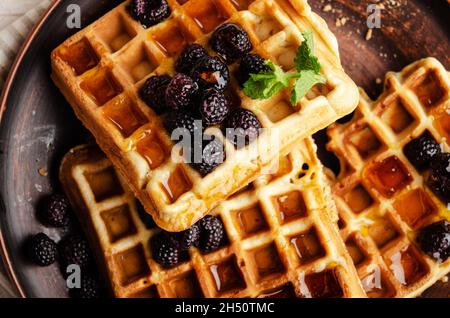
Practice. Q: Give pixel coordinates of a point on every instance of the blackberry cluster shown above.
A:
(421, 151)
(170, 249)
(183, 120)
(208, 99)
(75, 249)
(231, 42)
(211, 233)
(149, 12)
(188, 238)
(42, 250)
(242, 127)
(180, 92)
(211, 72)
(439, 179)
(89, 288)
(189, 57)
(213, 154)
(434, 240)
(213, 107)
(153, 93)
(164, 251)
(56, 211)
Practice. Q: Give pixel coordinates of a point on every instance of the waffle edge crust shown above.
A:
(100, 70)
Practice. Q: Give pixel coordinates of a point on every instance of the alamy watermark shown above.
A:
(73, 280)
(373, 16)
(73, 20)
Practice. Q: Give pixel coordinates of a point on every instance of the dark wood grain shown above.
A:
(38, 126)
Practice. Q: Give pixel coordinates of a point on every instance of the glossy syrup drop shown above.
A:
(80, 56)
(388, 176)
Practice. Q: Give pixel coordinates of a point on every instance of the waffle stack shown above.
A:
(101, 69)
(281, 235)
(382, 198)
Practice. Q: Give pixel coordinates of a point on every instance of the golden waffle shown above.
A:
(383, 201)
(101, 68)
(282, 237)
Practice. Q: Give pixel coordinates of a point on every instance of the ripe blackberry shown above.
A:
(211, 233)
(213, 155)
(421, 150)
(251, 64)
(180, 92)
(89, 288)
(231, 42)
(189, 57)
(183, 120)
(439, 179)
(56, 211)
(149, 12)
(434, 240)
(242, 127)
(164, 251)
(210, 72)
(189, 237)
(213, 107)
(41, 250)
(75, 249)
(153, 93)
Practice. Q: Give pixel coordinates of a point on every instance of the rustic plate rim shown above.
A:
(5, 255)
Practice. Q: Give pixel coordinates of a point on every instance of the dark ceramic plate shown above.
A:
(38, 126)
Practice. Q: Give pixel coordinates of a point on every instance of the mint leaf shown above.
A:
(265, 85)
(305, 58)
(304, 83)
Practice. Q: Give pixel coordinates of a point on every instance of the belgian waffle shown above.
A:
(101, 68)
(383, 201)
(282, 238)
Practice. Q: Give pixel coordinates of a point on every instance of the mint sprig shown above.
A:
(265, 85)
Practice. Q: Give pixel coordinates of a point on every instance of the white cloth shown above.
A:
(17, 18)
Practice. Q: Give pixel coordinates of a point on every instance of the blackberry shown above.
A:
(439, 179)
(56, 211)
(153, 93)
(74, 249)
(189, 57)
(164, 250)
(180, 92)
(434, 240)
(189, 237)
(421, 150)
(231, 42)
(213, 107)
(183, 120)
(149, 12)
(211, 233)
(89, 288)
(213, 154)
(41, 250)
(242, 127)
(251, 64)
(210, 72)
